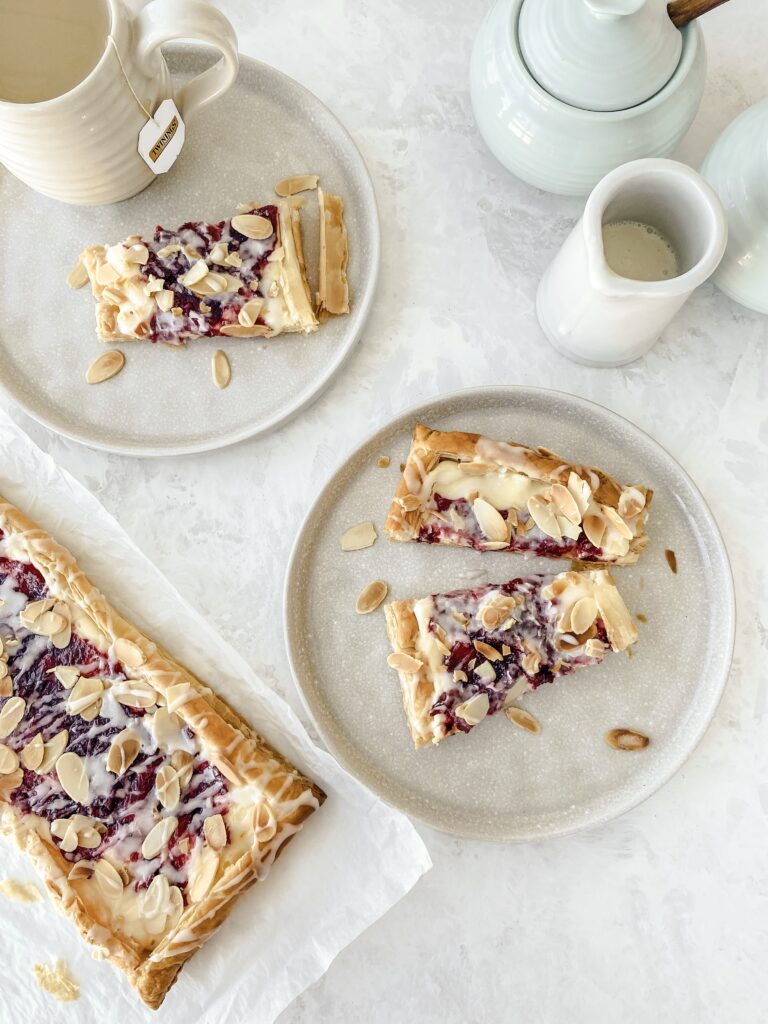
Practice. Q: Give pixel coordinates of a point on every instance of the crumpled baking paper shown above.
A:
(354, 859)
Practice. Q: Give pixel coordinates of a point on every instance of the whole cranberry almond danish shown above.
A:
(146, 802)
(468, 490)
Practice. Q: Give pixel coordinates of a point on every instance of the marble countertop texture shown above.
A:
(661, 915)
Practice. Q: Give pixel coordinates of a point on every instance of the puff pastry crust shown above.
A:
(468, 490)
(145, 902)
(470, 653)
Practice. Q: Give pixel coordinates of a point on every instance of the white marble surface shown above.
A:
(662, 914)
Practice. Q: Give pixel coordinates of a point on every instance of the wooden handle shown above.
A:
(683, 11)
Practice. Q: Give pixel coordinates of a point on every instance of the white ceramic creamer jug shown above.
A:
(597, 316)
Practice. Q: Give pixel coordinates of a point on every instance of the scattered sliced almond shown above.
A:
(52, 751)
(486, 650)
(264, 824)
(298, 183)
(403, 662)
(108, 879)
(183, 762)
(105, 367)
(241, 331)
(370, 598)
(11, 714)
(617, 522)
(357, 537)
(85, 696)
(522, 718)
(70, 770)
(583, 614)
(490, 520)
(166, 728)
(626, 739)
(157, 839)
(566, 504)
(123, 752)
(253, 226)
(594, 529)
(167, 787)
(128, 653)
(221, 371)
(215, 832)
(33, 752)
(544, 516)
(204, 869)
(57, 981)
(78, 276)
(671, 558)
(165, 299)
(228, 770)
(249, 312)
(10, 782)
(474, 710)
(9, 760)
(67, 675)
(106, 274)
(631, 501)
(196, 273)
(133, 693)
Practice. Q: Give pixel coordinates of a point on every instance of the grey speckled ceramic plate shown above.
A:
(164, 402)
(499, 782)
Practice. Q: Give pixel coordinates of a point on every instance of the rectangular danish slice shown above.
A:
(467, 490)
(241, 278)
(147, 804)
(468, 654)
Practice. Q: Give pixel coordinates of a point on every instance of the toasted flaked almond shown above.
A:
(89, 839)
(195, 274)
(85, 695)
(583, 614)
(671, 558)
(10, 782)
(137, 253)
(485, 671)
(49, 623)
(83, 869)
(474, 710)
(157, 839)
(106, 366)
(297, 183)
(70, 770)
(35, 609)
(166, 728)
(477, 468)
(123, 751)
(522, 718)
(33, 752)
(215, 832)
(227, 769)
(531, 662)
(165, 299)
(486, 650)
(357, 537)
(106, 274)
(234, 260)
(204, 869)
(11, 714)
(371, 597)
(219, 253)
(133, 693)
(178, 695)
(460, 618)
(496, 612)
(241, 331)
(9, 760)
(108, 879)
(253, 226)
(410, 502)
(249, 312)
(168, 250)
(566, 504)
(167, 787)
(128, 653)
(264, 824)
(403, 662)
(595, 648)
(616, 521)
(626, 739)
(177, 310)
(155, 901)
(51, 752)
(459, 676)
(490, 520)
(631, 501)
(594, 529)
(221, 371)
(543, 514)
(183, 762)
(78, 276)
(67, 675)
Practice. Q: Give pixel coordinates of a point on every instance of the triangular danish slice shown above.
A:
(470, 653)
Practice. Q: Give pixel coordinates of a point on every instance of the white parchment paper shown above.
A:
(354, 859)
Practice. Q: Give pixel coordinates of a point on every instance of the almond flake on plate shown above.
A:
(105, 367)
(371, 597)
(358, 537)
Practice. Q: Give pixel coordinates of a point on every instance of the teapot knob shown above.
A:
(614, 8)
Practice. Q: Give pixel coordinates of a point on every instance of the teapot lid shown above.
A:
(599, 54)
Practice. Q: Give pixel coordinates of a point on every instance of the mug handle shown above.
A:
(162, 21)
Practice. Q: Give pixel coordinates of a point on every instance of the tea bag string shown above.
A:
(128, 81)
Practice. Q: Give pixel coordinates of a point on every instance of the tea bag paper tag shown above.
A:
(161, 138)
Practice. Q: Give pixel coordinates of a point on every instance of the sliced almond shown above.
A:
(227, 769)
(221, 371)
(485, 671)
(459, 676)
(371, 597)
(357, 537)
(166, 728)
(219, 253)
(157, 839)
(183, 762)
(50, 623)
(178, 695)
(11, 714)
(167, 787)
(52, 751)
(544, 516)
(10, 782)
(34, 610)
(33, 752)
(108, 879)
(67, 675)
(215, 832)
(595, 648)
(234, 260)
(297, 183)
(123, 752)
(249, 312)
(583, 614)
(522, 718)
(264, 824)
(626, 739)
(106, 366)
(240, 331)
(78, 276)
(70, 770)
(410, 502)
(196, 273)
(106, 274)
(490, 520)
(83, 869)
(133, 693)
(168, 250)
(85, 694)
(460, 618)
(128, 653)
(403, 662)
(253, 226)
(566, 504)
(474, 710)
(9, 760)
(205, 867)
(165, 299)
(631, 501)
(617, 522)
(486, 650)
(594, 529)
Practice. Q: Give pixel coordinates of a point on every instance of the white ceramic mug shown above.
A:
(77, 78)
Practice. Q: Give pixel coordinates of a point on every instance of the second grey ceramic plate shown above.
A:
(499, 782)
(266, 127)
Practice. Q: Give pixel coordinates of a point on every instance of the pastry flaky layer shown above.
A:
(146, 802)
(468, 654)
(240, 278)
(468, 490)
